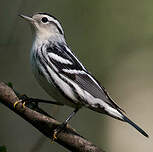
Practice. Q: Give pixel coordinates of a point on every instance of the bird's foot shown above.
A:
(57, 130)
(22, 99)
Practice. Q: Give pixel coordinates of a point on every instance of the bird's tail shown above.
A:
(117, 114)
(135, 126)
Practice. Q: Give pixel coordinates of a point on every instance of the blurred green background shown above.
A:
(114, 39)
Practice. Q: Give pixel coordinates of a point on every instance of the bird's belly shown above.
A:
(51, 89)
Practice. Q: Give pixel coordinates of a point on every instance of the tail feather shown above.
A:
(135, 126)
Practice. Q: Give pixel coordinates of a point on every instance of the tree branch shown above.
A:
(68, 138)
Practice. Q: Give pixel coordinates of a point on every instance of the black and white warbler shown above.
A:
(63, 76)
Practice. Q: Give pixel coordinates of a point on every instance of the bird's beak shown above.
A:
(27, 18)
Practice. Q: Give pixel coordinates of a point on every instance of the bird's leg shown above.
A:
(25, 100)
(63, 125)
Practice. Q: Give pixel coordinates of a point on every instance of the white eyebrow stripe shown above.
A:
(59, 58)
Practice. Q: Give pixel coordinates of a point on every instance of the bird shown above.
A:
(61, 74)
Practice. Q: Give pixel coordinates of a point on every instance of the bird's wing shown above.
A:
(71, 68)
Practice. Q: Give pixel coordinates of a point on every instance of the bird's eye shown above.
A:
(44, 19)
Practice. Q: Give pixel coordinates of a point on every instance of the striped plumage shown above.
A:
(62, 75)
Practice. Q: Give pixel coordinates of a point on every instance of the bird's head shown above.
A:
(44, 24)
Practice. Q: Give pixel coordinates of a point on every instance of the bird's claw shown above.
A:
(17, 102)
(55, 135)
(22, 99)
(57, 131)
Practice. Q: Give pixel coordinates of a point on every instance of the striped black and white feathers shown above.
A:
(63, 76)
